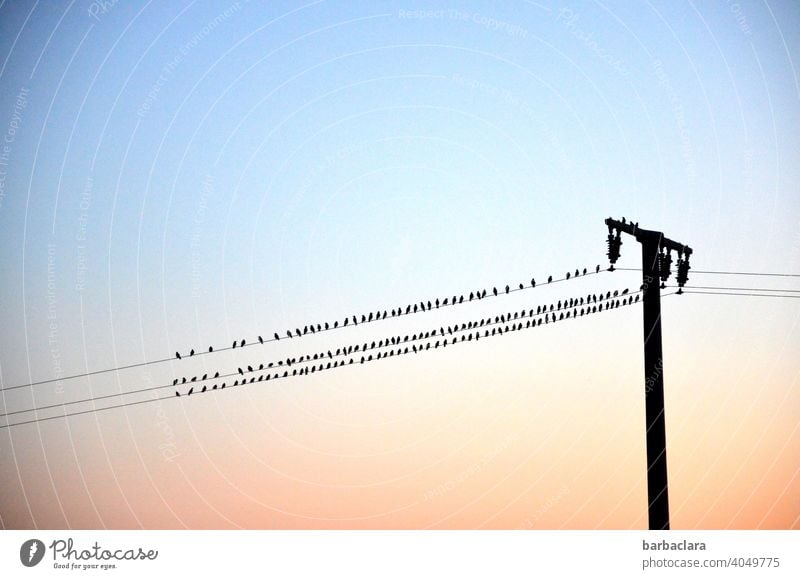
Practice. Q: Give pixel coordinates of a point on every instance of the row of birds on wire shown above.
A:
(379, 315)
(436, 338)
(402, 345)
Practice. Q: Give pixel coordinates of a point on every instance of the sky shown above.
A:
(176, 175)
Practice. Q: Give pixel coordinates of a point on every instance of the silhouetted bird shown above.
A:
(184, 380)
(194, 378)
(549, 279)
(241, 372)
(234, 344)
(521, 286)
(216, 374)
(204, 389)
(178, 394)
(533, 282)
(597, 269)
(577, 273)
(260, 340)
(567, 275)
(191, 353)
(584, 271)
(189, 393)
(175, 381)
(211, 348)
(507, 288)
(204, 376)
(178, 355)
(249, 368)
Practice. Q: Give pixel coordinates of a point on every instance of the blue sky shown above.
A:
(200, 171)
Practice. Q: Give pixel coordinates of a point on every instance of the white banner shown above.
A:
(403, 554)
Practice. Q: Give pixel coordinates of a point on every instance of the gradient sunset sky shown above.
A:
(175, 175)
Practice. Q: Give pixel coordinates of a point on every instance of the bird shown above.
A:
(178, 394)
(521, 286)
(211, 348)
(507, 288)
(249, 368)
(175, 381)
(234, 344)
(241, 372)
(241, 344)
(577, 273)
(260, 340)
(584, 271)
(597, 269)
(204, 389)
(191, 353)
(178, 355)
(533, 282)
(204, 376)
(549, 279)
(189, 393)
(216, 374)
(567, 275)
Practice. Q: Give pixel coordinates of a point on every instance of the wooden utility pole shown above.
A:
(656, 261)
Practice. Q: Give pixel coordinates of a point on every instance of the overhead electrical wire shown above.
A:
(368, 318)
(515, 325)
(541, 311)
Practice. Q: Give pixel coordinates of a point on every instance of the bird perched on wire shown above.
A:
(549, 278)
(597, 269)
(178, 355)
(191, 353)
(567, 275)
(260, 340)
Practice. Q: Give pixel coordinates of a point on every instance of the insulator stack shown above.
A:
(664, 265)
(614, 243)
(683, 271)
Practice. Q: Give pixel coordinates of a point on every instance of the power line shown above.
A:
(617, 303)
(753, 289)
(739, 294)
(765, 274)
(539, 312)
(371, 317)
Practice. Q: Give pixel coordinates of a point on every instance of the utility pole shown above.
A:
(656, 262)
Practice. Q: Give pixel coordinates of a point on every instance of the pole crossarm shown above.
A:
(647, 235)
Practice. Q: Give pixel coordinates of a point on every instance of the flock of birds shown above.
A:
(408, 344)
(409, 309)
